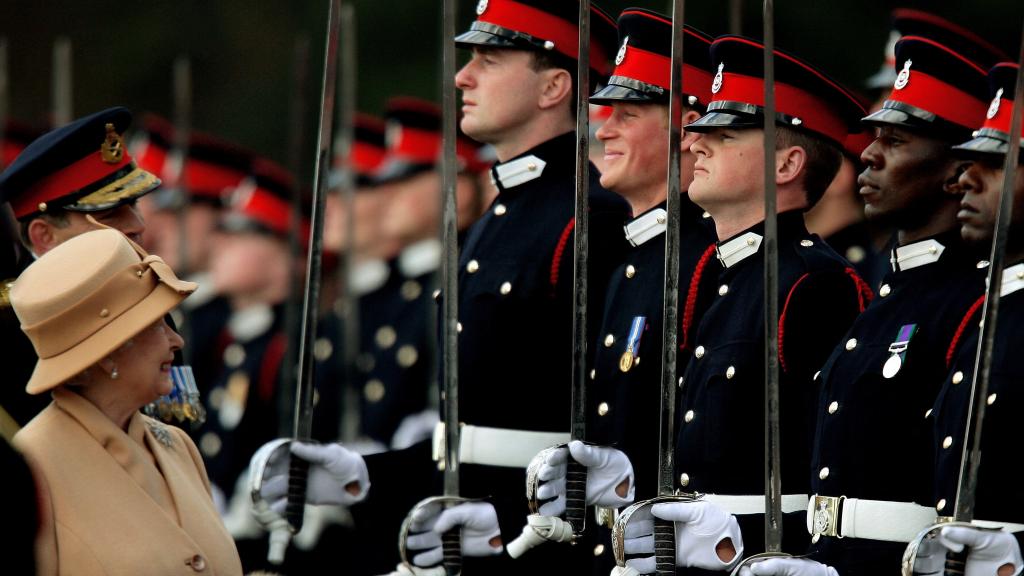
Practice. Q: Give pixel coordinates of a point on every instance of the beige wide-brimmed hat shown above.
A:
(88, 296)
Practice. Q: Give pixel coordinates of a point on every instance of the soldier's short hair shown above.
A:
(823, 160)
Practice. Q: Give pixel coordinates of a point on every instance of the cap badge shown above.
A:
(993, 108)
(622, 51)
(112, 149)
(904, 76)
(717, 84)
(481, 7)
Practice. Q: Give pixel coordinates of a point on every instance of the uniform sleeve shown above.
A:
(817, 312)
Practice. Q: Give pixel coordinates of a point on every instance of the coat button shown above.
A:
(500, 210)
(407, 355)
(689, 416)
(823, 473)
(602, 409)
(374, 391)
(322, 349)
(816, 375)
(927, 412)
(385, 337)
(234, 355)
(684, 479)
(531, 167)
(833, 407)
(885, 290)
(593, 373)
(807, 243)
(197, 563)
(940, 505)
(506, 287)
(991, 399)
(851, 343)
(599, 549)
(458, 327)
(947, 442)
(723, 290)
(699, 352)
(437, 294)
(630, 271)
(472, 266)
(609, 340)
(730, 372)
(958, 377)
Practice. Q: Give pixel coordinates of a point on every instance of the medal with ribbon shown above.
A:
(629, 357)
(898, 349)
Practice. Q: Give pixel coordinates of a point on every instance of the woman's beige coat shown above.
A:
(121, 504)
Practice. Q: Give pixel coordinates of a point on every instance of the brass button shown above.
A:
(807, 243)
(411, 290)
(531, 167)
(197, 563)
(500, 210)
(599, 549)
(723, 290)
(823, 473)
(689, 416)
(927, 412)
(958, 377)
(472, 266)
(458, 327)
(42, 206)
(833, 407)
(385, 337)
(593, 373)
(680, 380)
(234, 355)
(602, 409)
(609, 340)
(851, 343)
(750, 241)
(104, 313)
(374, 391)
(699, 352)
(407, 355)
(684, 479)
(210, 444)
(730, 372)
(630, 271)
(437, 294)
(885, 290)
(940, 505)
(816, 375)
(322, 349)
(991, 399)
(506, 287)
(947, 442)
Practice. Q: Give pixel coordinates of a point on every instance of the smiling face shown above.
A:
(905, 177)
(635, 139)
(144, 363)
(982, 183)
(729, 169)
(500, 91)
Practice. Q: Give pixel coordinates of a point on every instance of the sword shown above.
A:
(298, 468)
(970, 458)
(346, 305)
(62, 84)
(296, 136)
(5, 94)
(181, 79)
(576, 473)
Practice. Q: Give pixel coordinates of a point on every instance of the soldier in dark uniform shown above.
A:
(1000, 498)
(875, 477)
(624, 393)
(63, 179)
(720, 443)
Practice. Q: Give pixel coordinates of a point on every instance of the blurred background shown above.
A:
(241, 51)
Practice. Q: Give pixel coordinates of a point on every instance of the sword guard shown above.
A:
(919, 550)
(619, 529)
(758, 558)
(451, 541)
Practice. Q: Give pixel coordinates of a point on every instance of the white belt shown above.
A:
(843, 517)
(743, 505)
(497, 446)
(1007, 526)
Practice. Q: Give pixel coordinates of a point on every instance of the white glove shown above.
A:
(337, 475)
(405, 570)
(930, 559)
(481, 535)
(788, 567)
(987, 550)
(700, 526)
(414, 429)
(607, 468)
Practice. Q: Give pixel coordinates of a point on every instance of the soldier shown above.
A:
(1000, 500)
(624, 395)
(63, 184)
(890, 365)
(720, 434)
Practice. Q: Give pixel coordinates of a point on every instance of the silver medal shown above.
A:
(892, 366)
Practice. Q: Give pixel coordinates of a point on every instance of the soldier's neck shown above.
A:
(537, 131)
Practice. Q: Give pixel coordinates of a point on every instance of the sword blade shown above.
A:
(62, 82)
(182, 85)
(970, 459)
(772, 470)
(5, 94)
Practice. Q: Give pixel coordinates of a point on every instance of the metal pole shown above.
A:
(62, 82)
(182, 85)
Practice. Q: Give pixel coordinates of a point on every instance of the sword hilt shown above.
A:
(298, 473)
(664, 547)
(576, 495)
(956, 562)
(451, 549)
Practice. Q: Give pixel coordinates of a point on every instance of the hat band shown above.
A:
(134, 183)
(1001, 120)
(419, 146)
(928, 93)
(117, 295)
(800, 109)
(655, 70)
(365, 158)
(74, 180)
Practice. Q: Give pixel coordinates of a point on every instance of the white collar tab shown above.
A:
(916, 254)
(647, 226)
(420, 258)
(519, 171)
(735, 250)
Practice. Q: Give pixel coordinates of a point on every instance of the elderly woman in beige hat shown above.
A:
(121, 493)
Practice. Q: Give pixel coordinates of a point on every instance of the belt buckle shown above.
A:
(826, 516)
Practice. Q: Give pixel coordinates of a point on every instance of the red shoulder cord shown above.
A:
(955, 343)
(691, 295)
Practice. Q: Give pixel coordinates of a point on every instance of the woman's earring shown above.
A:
(113, 373)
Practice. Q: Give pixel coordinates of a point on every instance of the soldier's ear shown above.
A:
(556, 88)
(42, 235)
(688, 138)
(790, 164)
(951, 185)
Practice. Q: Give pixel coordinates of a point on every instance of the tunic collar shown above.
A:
(648, 225)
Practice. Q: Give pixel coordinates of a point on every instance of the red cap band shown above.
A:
(813, 112)
(944, 100)
(1001, 120)
(67, 180)
(542, 25)
(365, 158)
(268, 209)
